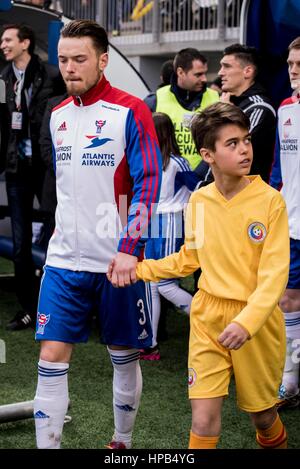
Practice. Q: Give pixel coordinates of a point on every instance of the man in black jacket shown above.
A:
(238, 72)
(29, 83)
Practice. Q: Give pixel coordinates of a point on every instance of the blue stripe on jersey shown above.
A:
(182, 163)
(144, 161)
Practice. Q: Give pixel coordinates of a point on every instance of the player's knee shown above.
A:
(55, 352)
(206, 425)
(264, 419)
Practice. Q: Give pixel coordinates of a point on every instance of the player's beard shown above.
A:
(77, 88)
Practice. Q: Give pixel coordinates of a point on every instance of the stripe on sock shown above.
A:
(273, 437)
(125, 359)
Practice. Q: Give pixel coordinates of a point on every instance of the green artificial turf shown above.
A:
(164, 416)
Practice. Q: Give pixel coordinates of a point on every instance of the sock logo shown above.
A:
(41, 415)
(126, 407)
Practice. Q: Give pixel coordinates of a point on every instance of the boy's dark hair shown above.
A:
(244, 54)
(24, 32)
(185, 57)
(166, 136)
(87, 28)
(295, 44)
(205, 126)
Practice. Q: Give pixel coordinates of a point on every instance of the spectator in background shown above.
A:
(49, 199)
(166, 72)
(238, 72)
(285, 177)
(187, 94)
(29, 83)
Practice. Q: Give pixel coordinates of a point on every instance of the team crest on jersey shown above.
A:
(192, 377)
(42, 320)
(257, 232)
(99, 124)
(95, 140)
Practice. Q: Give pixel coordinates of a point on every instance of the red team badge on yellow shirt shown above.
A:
(192, 377)
(257, 232)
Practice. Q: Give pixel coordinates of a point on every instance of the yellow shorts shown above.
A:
(257, 365)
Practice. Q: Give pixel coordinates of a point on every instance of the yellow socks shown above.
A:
(274, 437)
(202, 442)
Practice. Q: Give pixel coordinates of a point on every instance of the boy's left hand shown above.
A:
(233, 336)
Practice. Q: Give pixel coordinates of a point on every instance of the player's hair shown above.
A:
(206, 125)
(245, 55)
(185, 57)
(295, 44)
(166, 137)
(23, 32)
(87, 28)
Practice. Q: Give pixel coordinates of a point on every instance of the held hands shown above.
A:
(233, 336)
(121, 270)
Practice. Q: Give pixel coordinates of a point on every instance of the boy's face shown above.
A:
(233, 153)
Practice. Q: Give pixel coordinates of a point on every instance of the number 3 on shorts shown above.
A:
(141, 306)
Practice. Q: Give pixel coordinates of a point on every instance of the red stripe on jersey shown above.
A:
(63, 103)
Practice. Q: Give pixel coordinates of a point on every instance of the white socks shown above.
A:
(50, 403)
(171, 290)
(127, 389)
(156, 307)
(290, 378)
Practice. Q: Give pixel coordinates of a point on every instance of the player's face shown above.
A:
(194, 79)
(80, 64)
(233, 152)
(11, 45)
(294, 68)
(232, 75)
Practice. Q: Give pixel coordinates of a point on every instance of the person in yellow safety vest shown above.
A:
(187, 94)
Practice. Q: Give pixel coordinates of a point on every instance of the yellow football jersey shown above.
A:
(241, 246)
